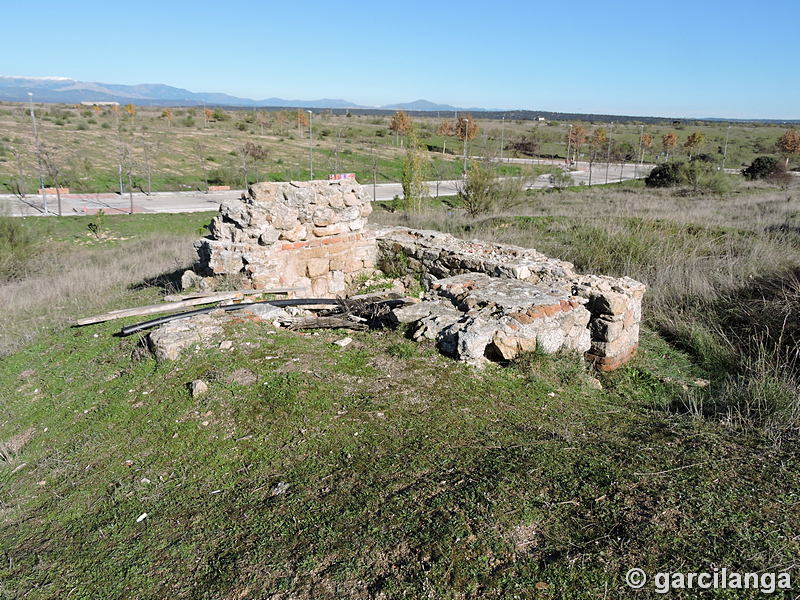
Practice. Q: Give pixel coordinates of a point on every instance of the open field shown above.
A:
(189, 150)
(386, 470)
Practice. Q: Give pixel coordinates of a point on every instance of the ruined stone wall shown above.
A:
(614, 305)
(482, 299)
(309, 235)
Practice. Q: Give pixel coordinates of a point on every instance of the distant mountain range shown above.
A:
(63, 89)
(427, 105)
(71, 91)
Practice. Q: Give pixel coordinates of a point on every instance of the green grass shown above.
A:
(113, 228)
(376, 469)
(383, 469)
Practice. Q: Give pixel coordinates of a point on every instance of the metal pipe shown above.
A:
(185, 315)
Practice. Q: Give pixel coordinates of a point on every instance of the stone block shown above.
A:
(319, 287)
(333, 229)
(317, 267)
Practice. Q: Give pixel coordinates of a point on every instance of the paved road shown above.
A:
(181, 202)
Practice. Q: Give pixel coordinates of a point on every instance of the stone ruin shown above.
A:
(481, 300)
(518, 299)
(309, 235)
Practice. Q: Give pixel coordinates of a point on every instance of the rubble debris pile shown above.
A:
(474, 316)
(613, 305)
(310, 235)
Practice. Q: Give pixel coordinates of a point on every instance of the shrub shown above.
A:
(561, 180)
(415, 190)
(700, 175)
(479, 192)
(664, 175)
(703, 177)
(16, 243)
(763, 167)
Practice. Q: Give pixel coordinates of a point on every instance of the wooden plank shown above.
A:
(153, 309)
(324, 323)
(189, 296)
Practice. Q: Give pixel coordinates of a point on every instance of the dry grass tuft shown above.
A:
(57, 286)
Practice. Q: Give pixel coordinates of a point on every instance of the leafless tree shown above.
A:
(251, 153)
(51, 162)
(17, 185)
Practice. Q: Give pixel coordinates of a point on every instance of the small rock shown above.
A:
(190, 279)
(594, 382)
(701, 382)
(197, 388)
(225, 345)
(242, 377)
(141, 517)
(279, 488)
(344, 342)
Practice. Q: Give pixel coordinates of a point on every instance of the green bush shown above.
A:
(699, 175)
(479, 192)
(664, 175)
(763, 167)
(16, 244)
(561, 180)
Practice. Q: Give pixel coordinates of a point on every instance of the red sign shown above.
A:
(338, 176)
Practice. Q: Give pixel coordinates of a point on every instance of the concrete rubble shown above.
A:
(482, 301)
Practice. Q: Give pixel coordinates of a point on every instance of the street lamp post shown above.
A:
(569, 142)
(38, 152)
(641, 152)
(466, 138)
(608, 149)
(725, 151)
(310, 145)
(502, 137)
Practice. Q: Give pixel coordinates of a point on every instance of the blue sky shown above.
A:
(701, 58)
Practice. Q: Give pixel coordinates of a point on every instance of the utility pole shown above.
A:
(608, 150)
(725, 151)
(310, 145)
(502, 137)
(641, 152)
(569, 142)
(38, 151)
(374, 174)
(466, 137)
